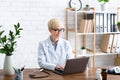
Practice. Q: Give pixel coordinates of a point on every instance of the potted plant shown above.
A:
(118, 25)
(83, 50)
(7, 47)
(103, 5)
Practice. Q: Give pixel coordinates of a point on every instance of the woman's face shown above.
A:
(56, 33)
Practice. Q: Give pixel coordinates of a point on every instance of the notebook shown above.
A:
(77, 65)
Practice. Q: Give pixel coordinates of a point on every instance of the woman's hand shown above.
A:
(58, 67)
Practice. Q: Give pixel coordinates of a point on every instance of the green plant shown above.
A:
(118, 24)
(82, 47)
(105, 1)
(8, 42)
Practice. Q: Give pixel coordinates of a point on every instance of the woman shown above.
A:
(54, 51)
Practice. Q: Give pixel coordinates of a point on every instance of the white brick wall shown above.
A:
(33, 16)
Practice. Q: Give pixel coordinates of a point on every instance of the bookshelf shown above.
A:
(75, 29)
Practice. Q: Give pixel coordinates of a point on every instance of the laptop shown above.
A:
(77, 65)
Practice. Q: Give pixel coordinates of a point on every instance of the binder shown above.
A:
(83, 26)
(111, 22)
(105, 22)
(113, 47)
(106, 43)
(97, 22)
(89, 26)
(108, 23)
(114, 23)
(86, 26)
(101, 22)
(118, 44)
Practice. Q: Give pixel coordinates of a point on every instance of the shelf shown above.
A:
(101, 54)
(89, 12)
(90, 54)
(78, 33)
(100, 33)
(111, 12)
(108, 33)
(84, 11)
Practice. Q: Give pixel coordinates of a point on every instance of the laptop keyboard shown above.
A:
(61, 71)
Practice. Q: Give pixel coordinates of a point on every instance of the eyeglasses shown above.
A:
(59, 30)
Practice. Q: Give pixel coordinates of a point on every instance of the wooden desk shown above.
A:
(87, 75)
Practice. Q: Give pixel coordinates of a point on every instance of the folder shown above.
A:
(105, 23)
(111, 22)
(113, 47)
(83, 26)
(108, 23)
(101, 22)
(114, 23)
(97, 22)
(89, 27)
(106, 43)
(118, 44)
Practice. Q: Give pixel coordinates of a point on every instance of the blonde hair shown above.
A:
(54, 24)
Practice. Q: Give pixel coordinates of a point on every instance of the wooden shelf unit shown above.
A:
(77, 33)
